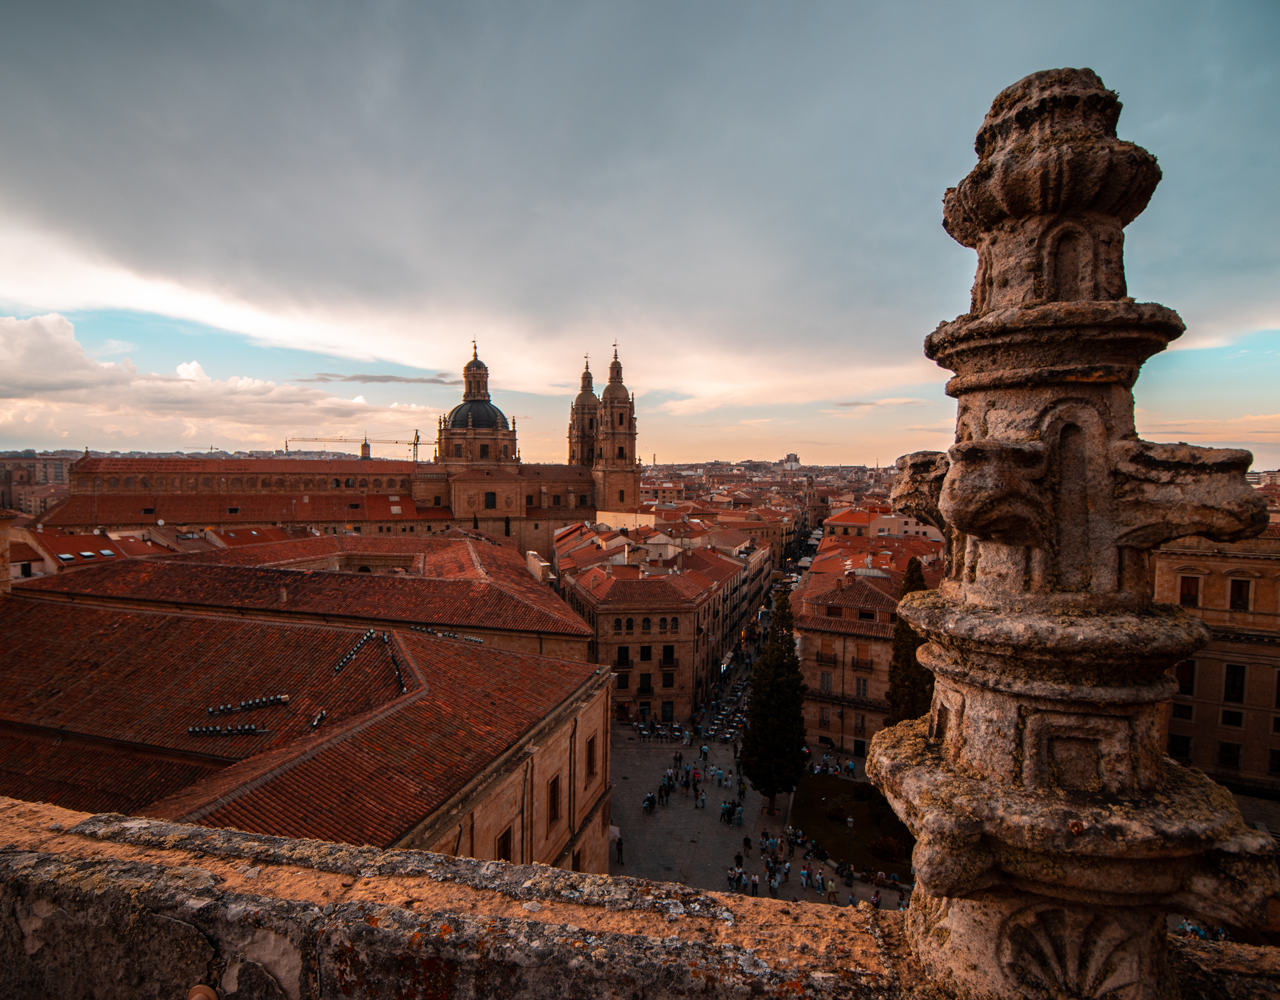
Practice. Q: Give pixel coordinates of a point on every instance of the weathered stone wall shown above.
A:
(112, 907)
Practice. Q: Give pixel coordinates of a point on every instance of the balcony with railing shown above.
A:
(861, 665)
(836, 698)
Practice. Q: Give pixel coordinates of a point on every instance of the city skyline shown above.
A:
(294, 225)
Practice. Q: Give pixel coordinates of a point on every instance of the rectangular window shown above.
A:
(233, 510)
(1233, 683)
(1240, 595)
(1189, 591)
(591, 756)
(1179, 746)
(832, 611)
(1185, 671)
(437, 502)
(457, 451)
(824, 717)
(622, 496)
(1229, 755)
(353, 506)
(645, 709)
(555, 500)
(624, 682)
(669, 654)
(668, 679)
(528, 499)
(1233, 719)
(491, 501)
(553, 800)
(624, 655)
(862, 686)
(646, 683)
(502, 846)
(824, 682)
(1273, 764)
(646, 652)
(866, 616)
(1182, 712)
(484, 451)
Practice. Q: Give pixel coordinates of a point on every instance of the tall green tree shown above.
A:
(910, 685)
(772, 756)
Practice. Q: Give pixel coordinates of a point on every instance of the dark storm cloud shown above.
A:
(750, 169)
(441, 379)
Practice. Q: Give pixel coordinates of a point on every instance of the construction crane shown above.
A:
(413, 443)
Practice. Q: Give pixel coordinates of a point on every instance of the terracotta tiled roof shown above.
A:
(370, 780)
(665, 589)
(249, 508)
(97, 780)
(243, 466)
(140, 677)
(853, 593)
(472, 599)
(844, 626)
(127, 685)
(22, 552)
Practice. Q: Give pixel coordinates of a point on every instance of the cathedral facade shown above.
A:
(476, 479)
(478, 473)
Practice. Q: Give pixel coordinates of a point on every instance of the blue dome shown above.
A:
(480, 413)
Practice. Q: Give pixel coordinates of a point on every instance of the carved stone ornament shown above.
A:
(1052, 832)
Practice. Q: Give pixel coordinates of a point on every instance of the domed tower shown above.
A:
(582, 423)
(475, 431)
(616, 474)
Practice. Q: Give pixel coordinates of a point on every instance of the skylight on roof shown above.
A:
(88, 555)
(105, 552)
(67, 556)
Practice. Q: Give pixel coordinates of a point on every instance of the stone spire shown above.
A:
(1052, 833)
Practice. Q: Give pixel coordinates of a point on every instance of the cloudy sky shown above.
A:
(227, 223)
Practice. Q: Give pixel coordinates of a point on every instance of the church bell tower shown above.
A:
(615, 470)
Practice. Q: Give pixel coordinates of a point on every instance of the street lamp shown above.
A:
(849, 820)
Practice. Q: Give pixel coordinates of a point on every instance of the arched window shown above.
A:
(675, 624)
(97, 483)
(128, 483)
(622, 452)
(364, 483)
(364, 569)
(337, 483)
(622, 419)
(143, 483)
(207, 482)
(377, 484)
(662, 624)
(113, 482)
(631, 624)
(279, 484)
(645, 624)
(237, 484)
(591, 424)
(617, 624)
(350, 483)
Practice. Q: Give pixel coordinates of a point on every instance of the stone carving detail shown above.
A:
(1039, 775)
(1080, 952)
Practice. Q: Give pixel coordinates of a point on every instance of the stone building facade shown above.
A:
(1225, 715)
(845, 628)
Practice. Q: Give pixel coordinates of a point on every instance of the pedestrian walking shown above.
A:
(755, 884)
(703, 800)
(786, 871)
(620, 849)
(739, 815)
(746, 845)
